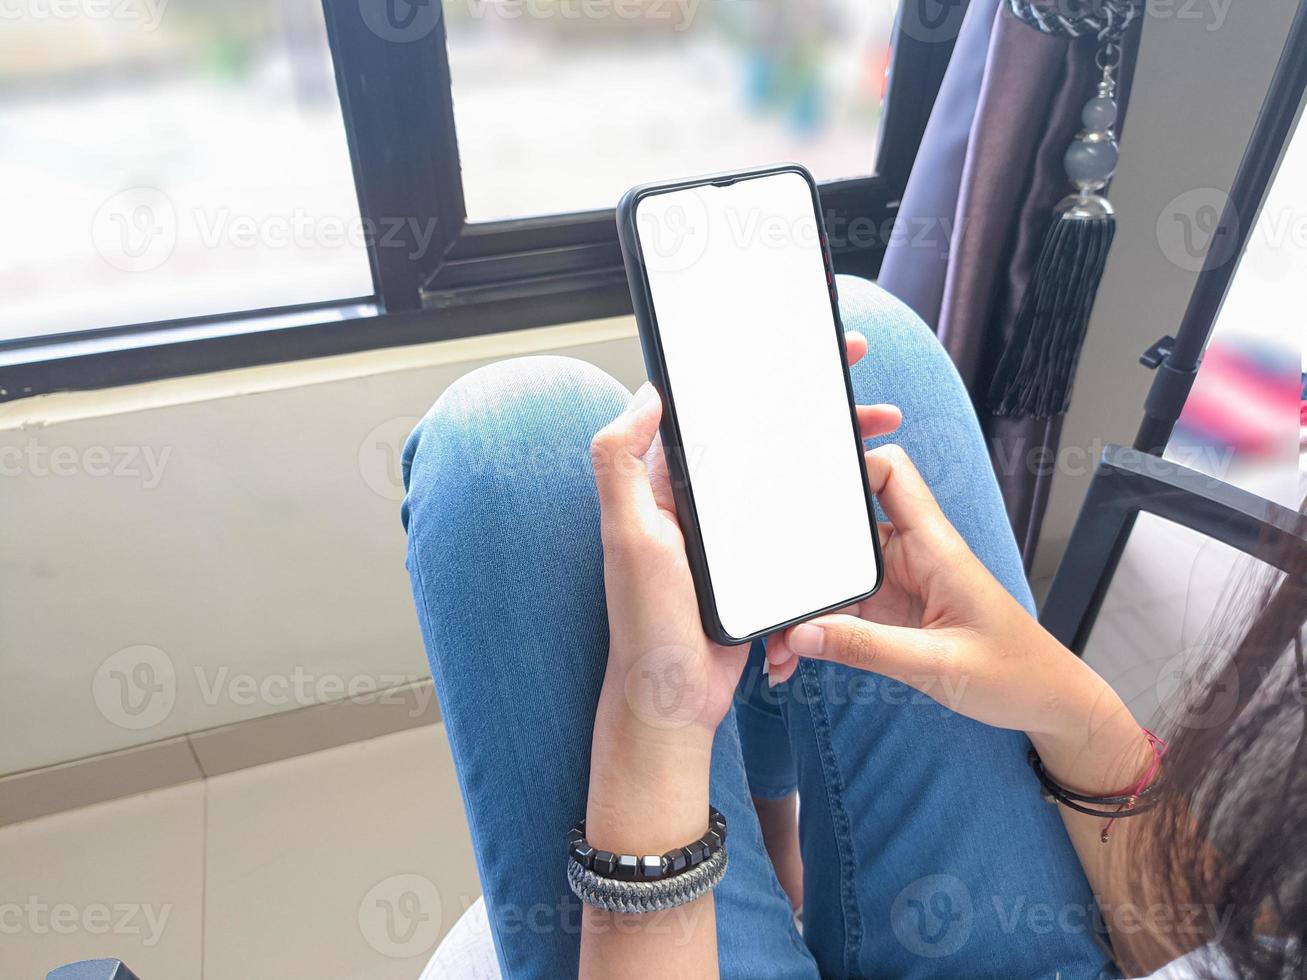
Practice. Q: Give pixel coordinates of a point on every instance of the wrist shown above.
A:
(660, 697)
(1099, 747)
(648, 786)
(1086, 737)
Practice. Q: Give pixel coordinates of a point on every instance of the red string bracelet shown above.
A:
(1133, 791)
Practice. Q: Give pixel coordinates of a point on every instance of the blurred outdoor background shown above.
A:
(182, 158)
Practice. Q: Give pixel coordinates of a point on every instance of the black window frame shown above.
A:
(478, 277)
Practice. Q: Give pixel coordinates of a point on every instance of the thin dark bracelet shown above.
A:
(1139, 799)
(1070, 797)
(648, 867)
(1127, 809)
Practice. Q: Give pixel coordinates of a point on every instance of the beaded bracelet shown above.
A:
(648, 867)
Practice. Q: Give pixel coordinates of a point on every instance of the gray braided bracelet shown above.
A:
(640, 897)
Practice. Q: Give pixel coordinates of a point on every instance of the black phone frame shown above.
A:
(656, 369)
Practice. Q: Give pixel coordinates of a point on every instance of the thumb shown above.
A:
(893, 651)
(617, 452)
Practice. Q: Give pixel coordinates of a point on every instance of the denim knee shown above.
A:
(892, 329)
(513, 421)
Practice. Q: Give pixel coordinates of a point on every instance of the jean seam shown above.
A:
(840, 824)
(796, 940)
(424, 621)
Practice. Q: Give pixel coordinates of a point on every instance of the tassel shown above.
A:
(1038, 365)
(1035, 372)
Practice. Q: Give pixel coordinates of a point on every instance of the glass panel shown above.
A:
(1178, 600)
(1242, 420)
(170, 158)
(561, 105)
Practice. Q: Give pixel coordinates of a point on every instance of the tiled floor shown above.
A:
(351, 862)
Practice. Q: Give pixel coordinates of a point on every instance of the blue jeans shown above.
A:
(927, 851)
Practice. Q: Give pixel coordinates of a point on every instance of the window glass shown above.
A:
(561, 105)
(1242, 421)
(170, 158)
(1177, 602)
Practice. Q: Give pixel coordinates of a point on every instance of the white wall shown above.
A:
(267, 545)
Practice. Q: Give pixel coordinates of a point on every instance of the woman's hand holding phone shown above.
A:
(667, 685)
(663, 671)
(941, 622)
(940, 615)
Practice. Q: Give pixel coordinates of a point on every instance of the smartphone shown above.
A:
(734, 294)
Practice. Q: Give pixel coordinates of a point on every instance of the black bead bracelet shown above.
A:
(648, 867)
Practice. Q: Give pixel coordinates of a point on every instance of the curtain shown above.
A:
(989, 172)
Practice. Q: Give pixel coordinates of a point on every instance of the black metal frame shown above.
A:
(1127, 482)
(477, 277)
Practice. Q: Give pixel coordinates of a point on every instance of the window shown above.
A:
(656, 89)
(1241, 420)
(190, 187)
(171, 161)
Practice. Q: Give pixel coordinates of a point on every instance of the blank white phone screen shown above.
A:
(743, 313)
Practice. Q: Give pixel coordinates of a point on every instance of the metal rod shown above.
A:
(1175, 376)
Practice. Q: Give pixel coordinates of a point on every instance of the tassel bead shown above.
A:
(1091, 163)
(1091, 160)
(1099, 114)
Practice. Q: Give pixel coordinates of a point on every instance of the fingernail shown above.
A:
(772, 681)
(643, 395)
(766, 666)
(807, 640)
